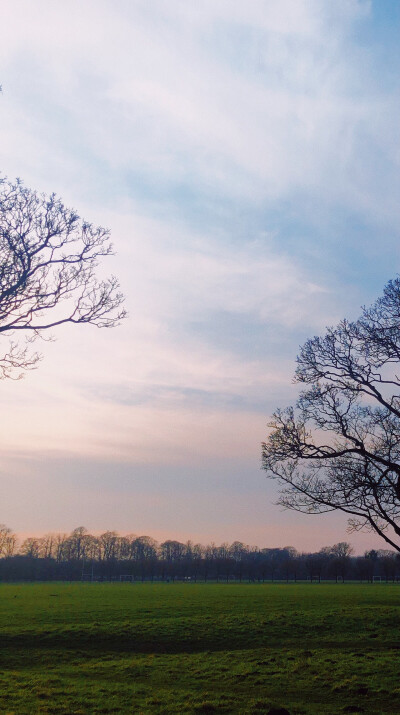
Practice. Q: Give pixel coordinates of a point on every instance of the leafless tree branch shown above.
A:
(48, 262)
(350, 381)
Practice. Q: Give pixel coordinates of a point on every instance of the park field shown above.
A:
(199, 648)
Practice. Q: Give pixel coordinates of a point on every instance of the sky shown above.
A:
(245, 157)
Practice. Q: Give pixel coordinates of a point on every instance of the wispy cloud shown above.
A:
(252, 104)
(245, 156)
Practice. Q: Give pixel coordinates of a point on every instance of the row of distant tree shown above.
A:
(80, 555)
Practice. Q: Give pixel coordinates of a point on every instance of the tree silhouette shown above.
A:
(339, 449)
(48, 261)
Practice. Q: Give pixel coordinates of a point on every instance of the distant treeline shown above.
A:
(82, 556)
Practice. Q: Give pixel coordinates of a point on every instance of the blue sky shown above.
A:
(246, 159)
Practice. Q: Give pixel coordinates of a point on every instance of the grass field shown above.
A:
(199, 648)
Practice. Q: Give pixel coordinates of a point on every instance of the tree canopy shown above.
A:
(339, 447)
(48, 261)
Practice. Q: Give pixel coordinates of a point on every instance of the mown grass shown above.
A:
(199, 648)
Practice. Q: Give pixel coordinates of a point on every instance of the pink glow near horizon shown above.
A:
(240, 154)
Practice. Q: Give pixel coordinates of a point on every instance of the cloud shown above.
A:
(245, 156)
(251, 104)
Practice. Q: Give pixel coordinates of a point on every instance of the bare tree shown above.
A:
(108, 544)
(172, 550)
(47, 546)
(8, 541)
(76, 543)
(61, 547)
(143, 547)
(339, 449)
(48, 261)
(31, 547)
(341, 554)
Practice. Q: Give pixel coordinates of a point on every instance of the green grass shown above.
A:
(199, 648)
